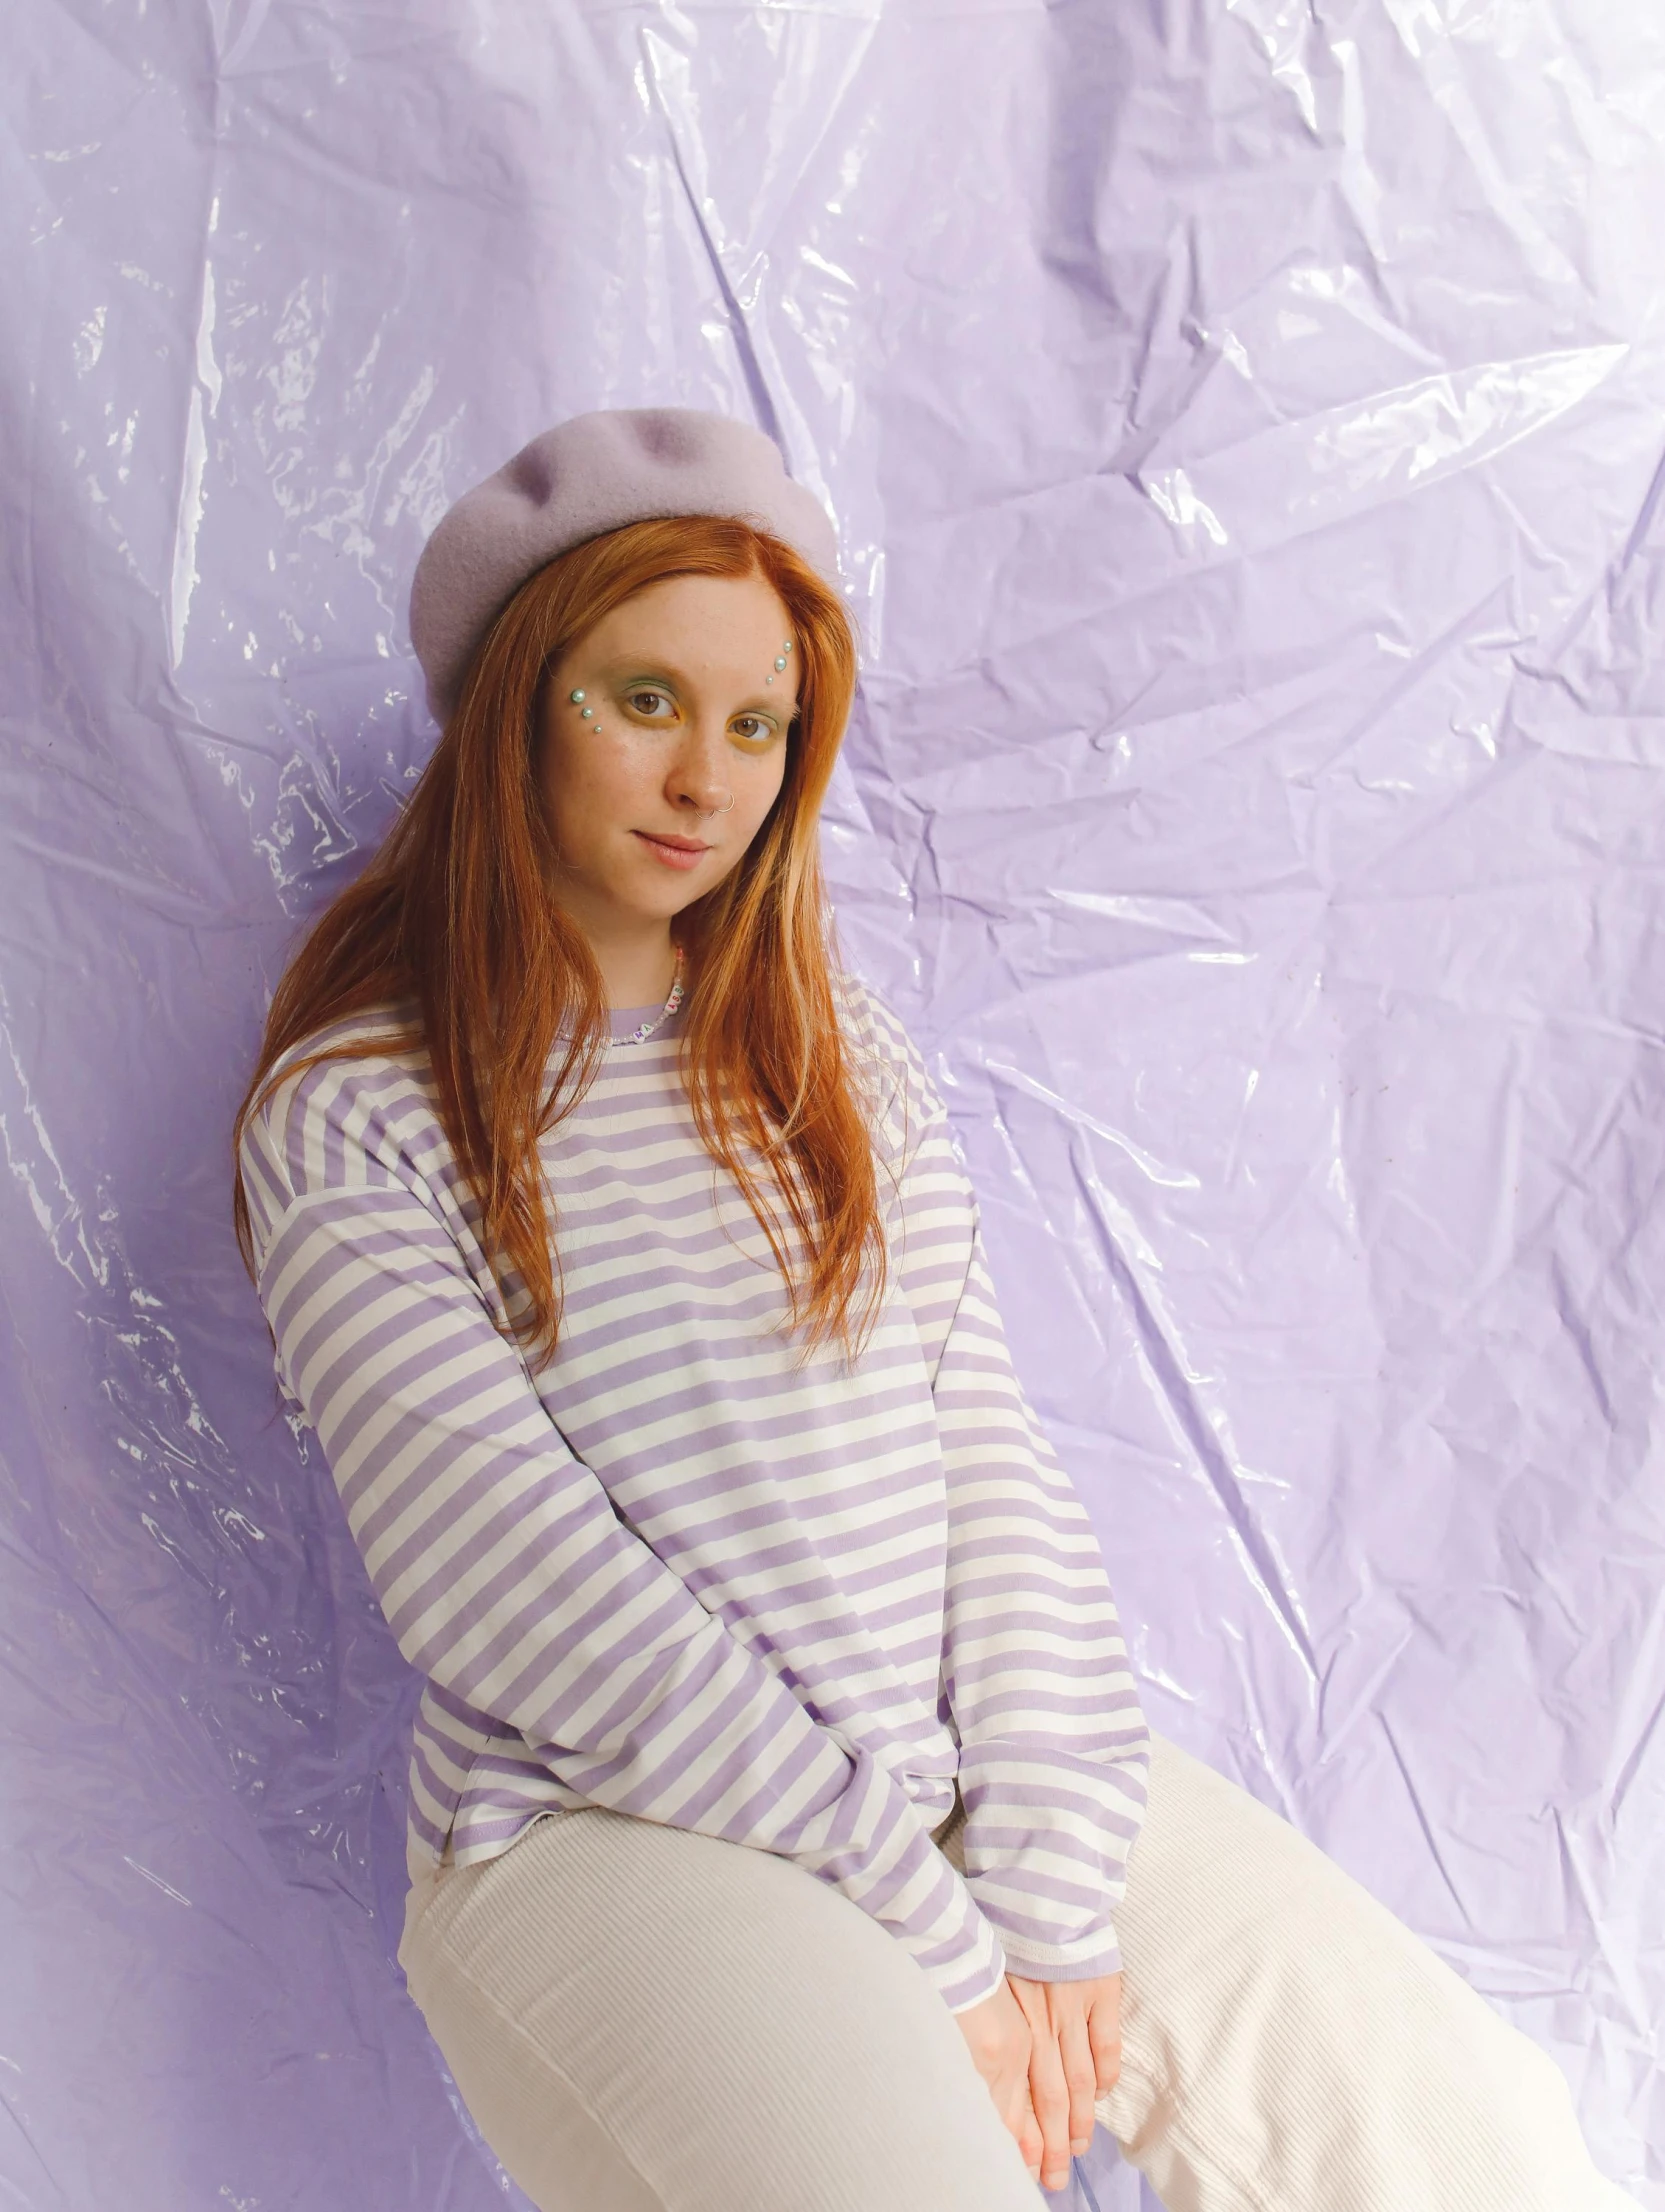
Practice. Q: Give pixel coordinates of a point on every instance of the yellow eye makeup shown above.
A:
(645, 696)
(767, 728)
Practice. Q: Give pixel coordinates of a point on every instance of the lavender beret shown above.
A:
(587, 476)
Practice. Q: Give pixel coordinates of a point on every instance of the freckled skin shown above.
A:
(683, 715)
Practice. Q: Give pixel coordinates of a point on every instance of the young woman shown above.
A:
(785, 1835)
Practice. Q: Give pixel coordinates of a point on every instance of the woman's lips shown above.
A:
(673, 853)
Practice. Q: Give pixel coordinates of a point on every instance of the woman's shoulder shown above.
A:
(870, 1018)
(355, 1090)
(887, 1063)
(871, 1021)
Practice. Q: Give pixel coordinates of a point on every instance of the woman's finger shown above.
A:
(1082, 2076)
(1050, 2095)
(1025, 2128)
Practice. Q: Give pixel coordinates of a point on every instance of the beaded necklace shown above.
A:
(641, 1034)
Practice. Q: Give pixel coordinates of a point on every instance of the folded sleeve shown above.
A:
(498, 1559)
(1054, 1749)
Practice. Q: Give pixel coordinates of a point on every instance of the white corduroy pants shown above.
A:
(646, 2020)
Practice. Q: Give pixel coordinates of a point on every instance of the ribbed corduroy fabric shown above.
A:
(643, 2019)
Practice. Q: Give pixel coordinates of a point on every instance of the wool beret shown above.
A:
(585, 477)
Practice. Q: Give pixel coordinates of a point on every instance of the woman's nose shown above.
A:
(697, 777)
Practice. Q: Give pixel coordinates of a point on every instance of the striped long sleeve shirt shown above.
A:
(681, 1571)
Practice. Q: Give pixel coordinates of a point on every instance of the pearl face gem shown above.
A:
(587, 712)
(781, 663)
(577, 698)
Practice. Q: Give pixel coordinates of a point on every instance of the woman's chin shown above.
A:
(666, 881)
(661, 900)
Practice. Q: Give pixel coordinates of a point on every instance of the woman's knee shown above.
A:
(1281, 2017)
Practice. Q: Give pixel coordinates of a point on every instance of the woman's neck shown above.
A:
(636, 971)
(633, 951)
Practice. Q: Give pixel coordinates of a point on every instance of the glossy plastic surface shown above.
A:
(1243, 425)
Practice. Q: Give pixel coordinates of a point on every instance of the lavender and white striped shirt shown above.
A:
(677, 1573)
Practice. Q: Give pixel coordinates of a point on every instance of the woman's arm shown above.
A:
(504, 1571)
(1053, 1746)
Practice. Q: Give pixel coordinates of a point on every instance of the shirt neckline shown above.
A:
(623, 1019)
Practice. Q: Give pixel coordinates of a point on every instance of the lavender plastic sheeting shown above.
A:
(1244, 426)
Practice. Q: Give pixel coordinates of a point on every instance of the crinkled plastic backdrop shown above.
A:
(1243, 421)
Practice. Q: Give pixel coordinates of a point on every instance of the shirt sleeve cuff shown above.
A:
(972, 1970)
(1074, 1962)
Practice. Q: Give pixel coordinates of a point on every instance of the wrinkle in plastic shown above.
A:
(1243, 427)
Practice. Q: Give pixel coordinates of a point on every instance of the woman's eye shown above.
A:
(645, 703)
(753, 727)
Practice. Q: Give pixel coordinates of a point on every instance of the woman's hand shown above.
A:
(1001, 2042)
(1076, 2035)
(1047, 2050)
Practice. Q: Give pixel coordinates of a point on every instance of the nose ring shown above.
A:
(719, 809)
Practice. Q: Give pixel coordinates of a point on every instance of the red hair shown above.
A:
(452, 916)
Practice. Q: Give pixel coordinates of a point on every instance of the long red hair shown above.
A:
(452, 918)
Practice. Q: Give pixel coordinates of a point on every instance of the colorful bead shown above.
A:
(640, 1035)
